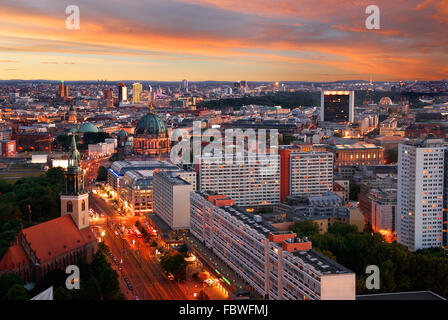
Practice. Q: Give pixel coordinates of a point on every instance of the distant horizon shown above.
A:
(224, 39)
(230, 81)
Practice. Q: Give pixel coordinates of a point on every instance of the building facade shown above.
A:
(136, 90)
(171, 198)
(277, 265)
(357, 154)
(311, 173)
(337, 106)
(249, 180)
(131, 182)
(420, 214)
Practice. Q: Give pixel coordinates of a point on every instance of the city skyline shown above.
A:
(193, 39)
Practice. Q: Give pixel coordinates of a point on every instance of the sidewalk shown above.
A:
(213, 263)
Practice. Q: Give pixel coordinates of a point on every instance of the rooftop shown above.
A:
(173, 178)
(120, 167)
(321, 263)
(356, 146)
(57, 236)
(318, 261)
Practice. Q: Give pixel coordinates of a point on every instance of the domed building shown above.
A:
(88, 127)
(385, 101)
(72, 116)
(151, 136)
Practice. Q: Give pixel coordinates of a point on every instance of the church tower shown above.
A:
(75, 199)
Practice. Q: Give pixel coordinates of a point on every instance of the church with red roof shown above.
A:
(57, 243)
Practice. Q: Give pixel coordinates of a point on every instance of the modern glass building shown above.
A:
(337, 106)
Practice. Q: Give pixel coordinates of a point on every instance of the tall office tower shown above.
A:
(185, 84)
(136, 90)
(108, 97)
(421, 175)
(305, 173)
(171, 199)
(237, 85)
(61, 91)
(337, 106)
(248, 180)
(108, 94)
(122, 92)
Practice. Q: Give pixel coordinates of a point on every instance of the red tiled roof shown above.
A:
(14, 257)
(56, 237)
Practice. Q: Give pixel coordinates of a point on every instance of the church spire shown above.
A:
(74, 178)
(151, 99)
(74, 157)
(150, 106)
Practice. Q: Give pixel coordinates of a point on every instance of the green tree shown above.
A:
(7, 282)
(91, 290)
(305, 228)
(174, 263)
(17, 292)
(5, 186)
(62, 294)
(354, 191)
(102, 174)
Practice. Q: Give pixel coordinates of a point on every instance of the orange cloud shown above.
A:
(287, 36)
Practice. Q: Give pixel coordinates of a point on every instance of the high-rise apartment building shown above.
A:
(421, 193)
(249, 180)
(276, 264)
(136, 90)
(337, 106)
(305, 173)
(122, 92)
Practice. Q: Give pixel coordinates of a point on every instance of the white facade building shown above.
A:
(248, 180)
(277, 265)
(171, 200)
(420, 194)
(311, 173)
(101, 149)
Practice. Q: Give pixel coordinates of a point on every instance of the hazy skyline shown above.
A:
(224, 40)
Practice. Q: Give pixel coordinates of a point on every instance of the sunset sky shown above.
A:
(264, 40)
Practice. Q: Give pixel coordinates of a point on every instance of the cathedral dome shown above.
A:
(385, 101)
(88, 127)
(122, 133)
(150, 124)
